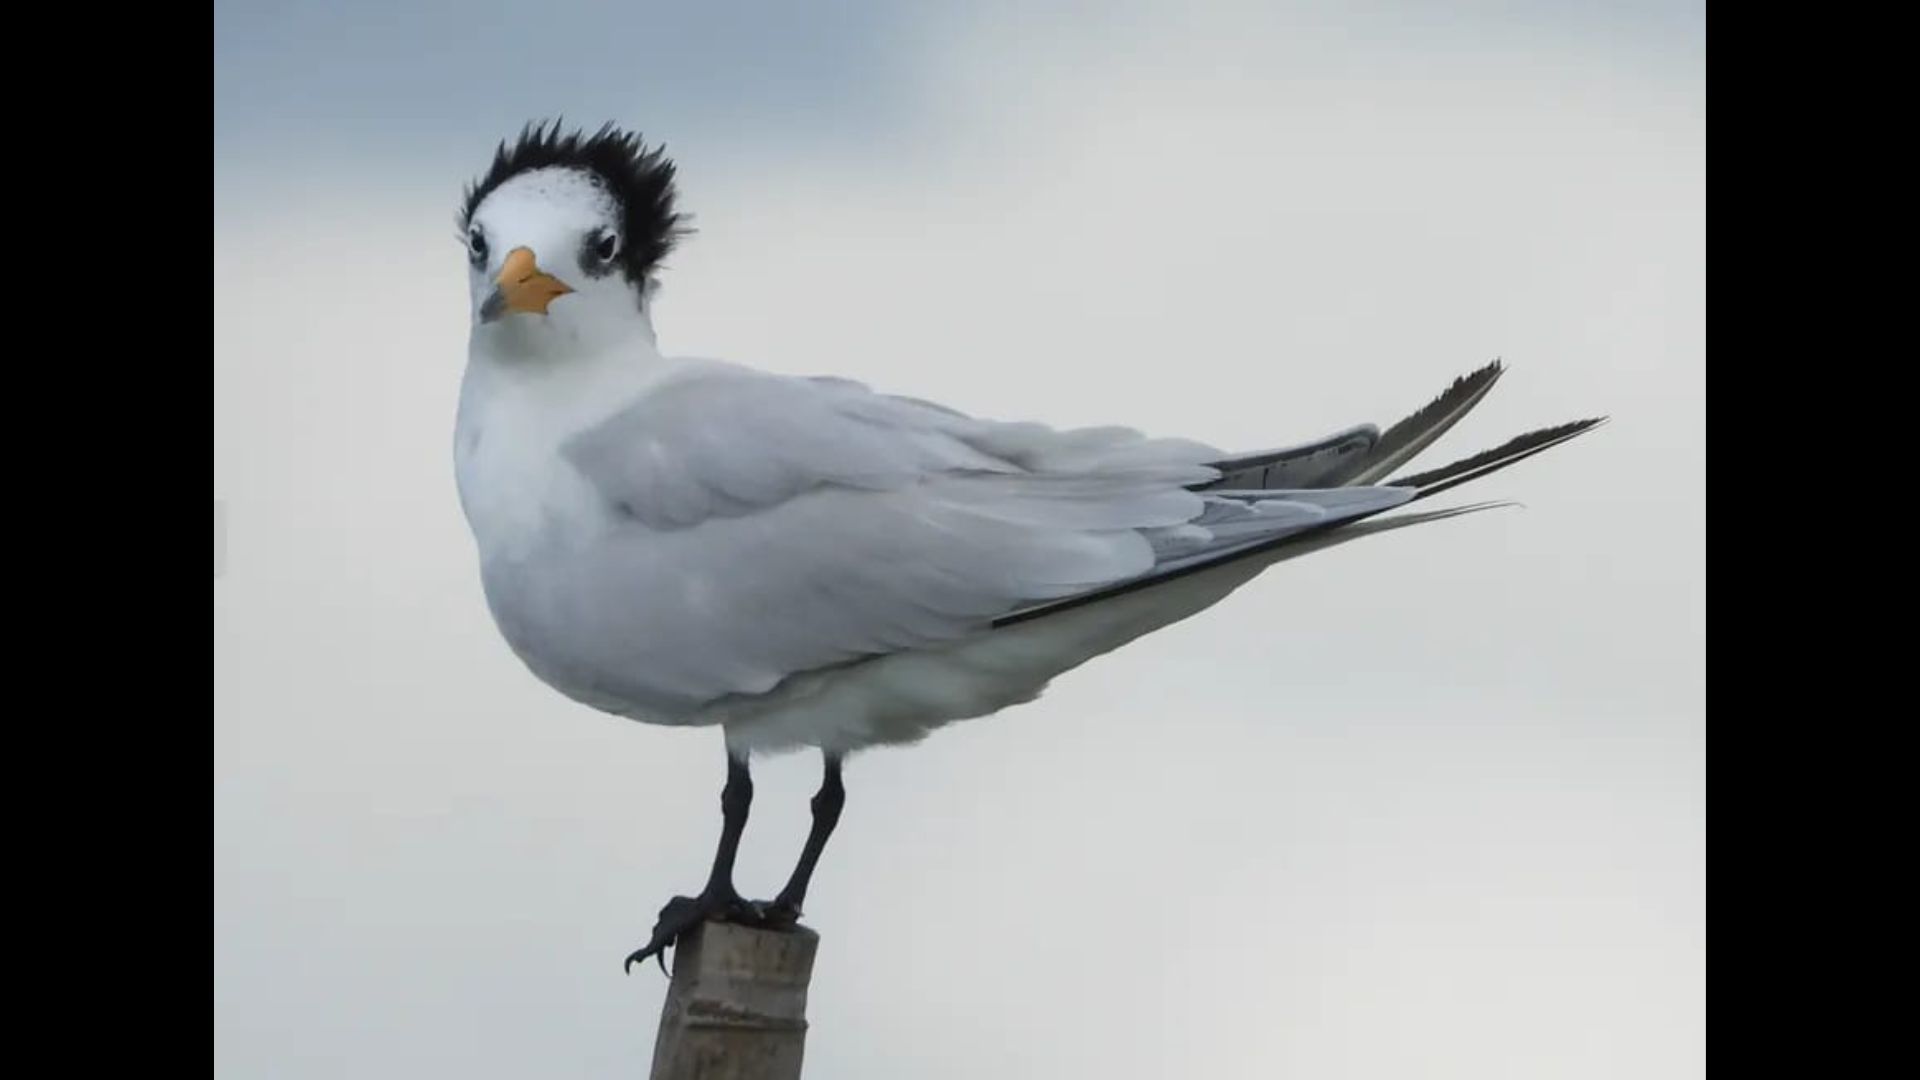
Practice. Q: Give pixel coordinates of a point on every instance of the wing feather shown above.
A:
(769, 525)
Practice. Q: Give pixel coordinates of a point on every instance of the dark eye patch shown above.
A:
(598, 252)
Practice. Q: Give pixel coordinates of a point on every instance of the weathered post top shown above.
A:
(737, 1006)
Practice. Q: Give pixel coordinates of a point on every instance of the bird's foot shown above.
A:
(683, 913)
(780, 913)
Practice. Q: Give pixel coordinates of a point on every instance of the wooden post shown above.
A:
(737, 1006)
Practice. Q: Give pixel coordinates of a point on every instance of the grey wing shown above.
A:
(781, 525)
(1314, 464)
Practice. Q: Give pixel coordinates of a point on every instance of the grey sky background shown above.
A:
(1431, 805)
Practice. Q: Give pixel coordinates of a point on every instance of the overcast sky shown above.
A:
(1431, 805)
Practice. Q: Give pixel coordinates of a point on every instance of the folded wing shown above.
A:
(779, 524)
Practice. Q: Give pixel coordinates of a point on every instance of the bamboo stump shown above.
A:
(737, 1006)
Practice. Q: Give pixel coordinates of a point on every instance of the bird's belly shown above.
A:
(651, 624)
(596, 639)
(902, 697)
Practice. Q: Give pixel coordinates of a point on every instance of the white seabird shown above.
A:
(806, 562)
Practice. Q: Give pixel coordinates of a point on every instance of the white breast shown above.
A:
(520, 496)
(519, 492)
(536, 520)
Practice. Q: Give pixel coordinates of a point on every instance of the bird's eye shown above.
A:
(606, 247)
(477, 247)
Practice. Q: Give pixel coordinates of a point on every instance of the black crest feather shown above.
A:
(639, 178)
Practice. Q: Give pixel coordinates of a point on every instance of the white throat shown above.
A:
(580, 333)
(516, 410)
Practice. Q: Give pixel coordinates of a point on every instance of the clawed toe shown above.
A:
(683, 913)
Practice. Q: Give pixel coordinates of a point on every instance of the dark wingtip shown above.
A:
(1406, 439)
(1514, 450)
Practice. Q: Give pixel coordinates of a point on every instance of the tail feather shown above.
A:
(1291, 546)
(1353, 525)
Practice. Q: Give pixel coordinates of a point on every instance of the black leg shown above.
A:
(735, 800)
(826, 814)
(718, 900)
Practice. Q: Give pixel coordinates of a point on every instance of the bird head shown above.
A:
(564, 235)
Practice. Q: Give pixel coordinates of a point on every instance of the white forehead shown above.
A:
(546, 199)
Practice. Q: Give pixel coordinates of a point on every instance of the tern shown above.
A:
(804, 561)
